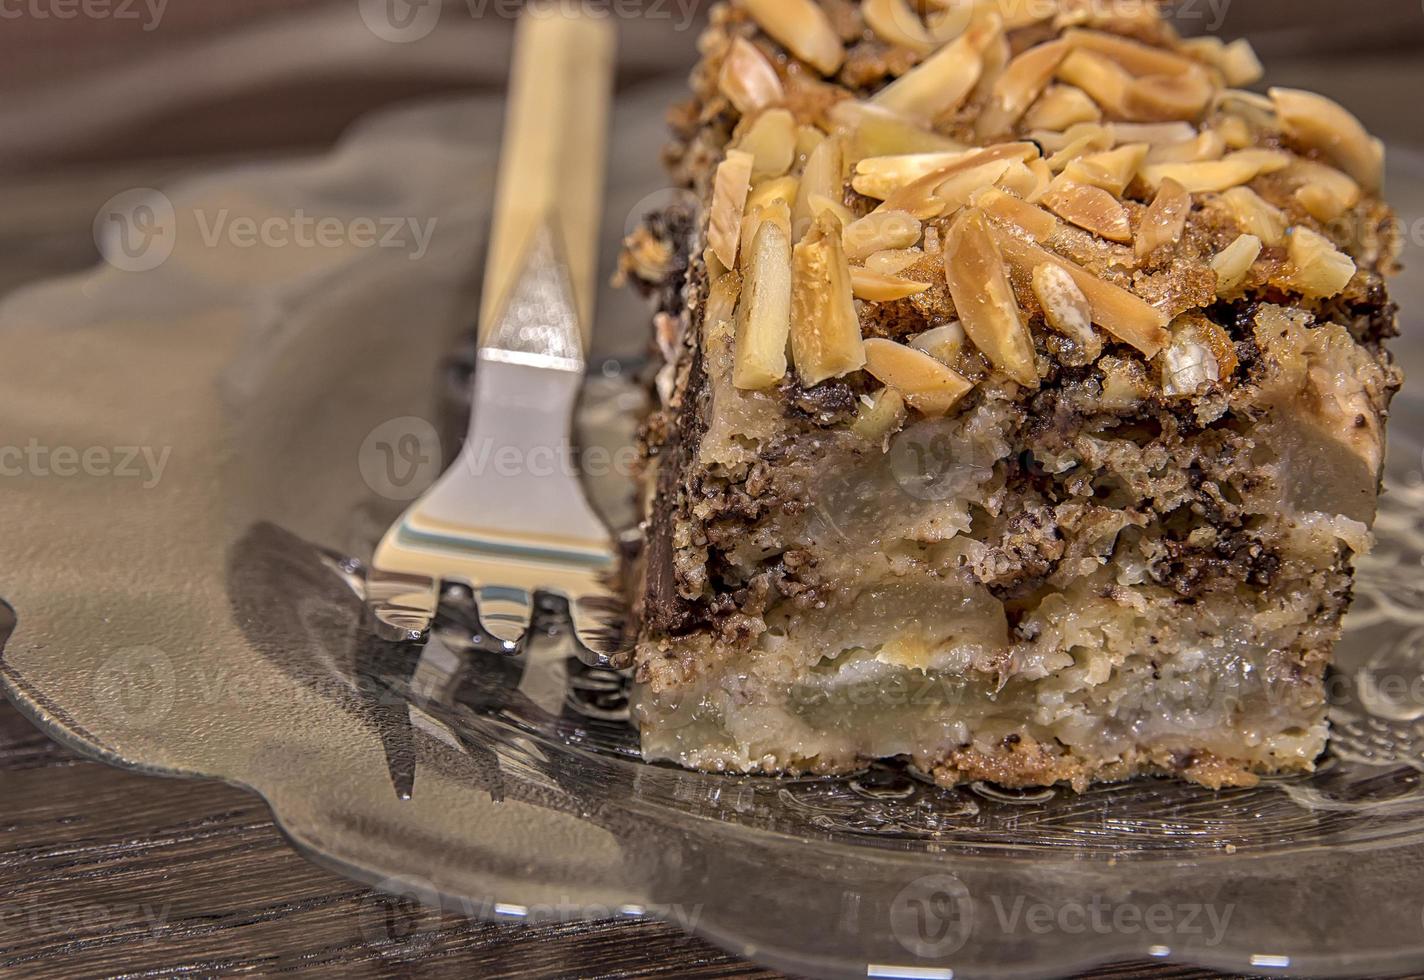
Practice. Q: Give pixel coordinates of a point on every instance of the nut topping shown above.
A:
(1061, 107)
(1090, 208)
(1318, 123)
(974, 269)
(880, 231)
(1255, 216)
(1233, 263)
(928, 385)
(771, 140)
(824, 176)
(1318, 270)
(942, 82)
(1121, 313)
(801, 27)
(748, 80)
(875, 288)
(1165, 219)
(895, 23)
(729, 201)
(1065, 308)
(825, 330)
(1022, 82)
(1209, 176)
(764, 314)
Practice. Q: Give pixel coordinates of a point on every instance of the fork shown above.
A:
(510, 520)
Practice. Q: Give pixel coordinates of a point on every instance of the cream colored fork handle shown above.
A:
(552, 162)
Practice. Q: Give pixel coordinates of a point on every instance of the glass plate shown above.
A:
(244, 423)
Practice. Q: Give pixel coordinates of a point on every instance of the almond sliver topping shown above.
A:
(879, 177)
(1022, 82)
(764, 314)
(1318, 270)
(1060, 107)
(942, 82)
(1165, 220)
(771, 140)
(880, 231)
(984, 299)
(825, 330)
(876, 288)
(1121, 313)
(729, 200)
(927, 384)
(895, 23)
(1321, 124)
(1092, 209)
(1035, 222)
(1255, 216)
(1215, 176)
(1065, 308)
(1233, 263)
(748, 80)
(802, 27)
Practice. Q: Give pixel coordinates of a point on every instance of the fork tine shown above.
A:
(598, 623)
(505, 615)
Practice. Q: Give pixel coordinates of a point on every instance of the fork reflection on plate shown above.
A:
(510, 518)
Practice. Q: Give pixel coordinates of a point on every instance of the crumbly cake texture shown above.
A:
(1023, 398)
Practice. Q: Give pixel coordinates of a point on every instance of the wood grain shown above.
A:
(105, 873)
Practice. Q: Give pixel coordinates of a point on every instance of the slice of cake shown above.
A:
(1023, 403)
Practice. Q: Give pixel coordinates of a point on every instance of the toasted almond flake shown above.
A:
(893, 261)
(776, 212)
(801, 27)
(1021, 83)
(1214, 176)
(928, 385)
(764, 314)
(1165, 219)
(776, 189)
(1027, 180)
(1318, 270)
(1084, 140)
(920, 197)
(1234, 262)
(879, 177)
(1321, 203)
(1035, 222)
(722, 299)
(957, 191)
(875, 288)
(1255, 216)
(1060, 107)
(771, 140)
(807, 139)
(1153, 134)
(1322, 124)
(748, 80)
(944, 343)
(880, 416)
(1323, 191)
(825, 330)
(942, 82)
(880, 231)
(1132, 56)
(1065, 308)
(873, 131)
(1205, 146)
(820, 203)
(1236, 61)
(1151, 98)
(1187, 366)
(895, 23)
(729, 201)
(1121, 313)
(1090, 208)
(1112, 170)
(824, 176)
(985, 300)
(1235, 132)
